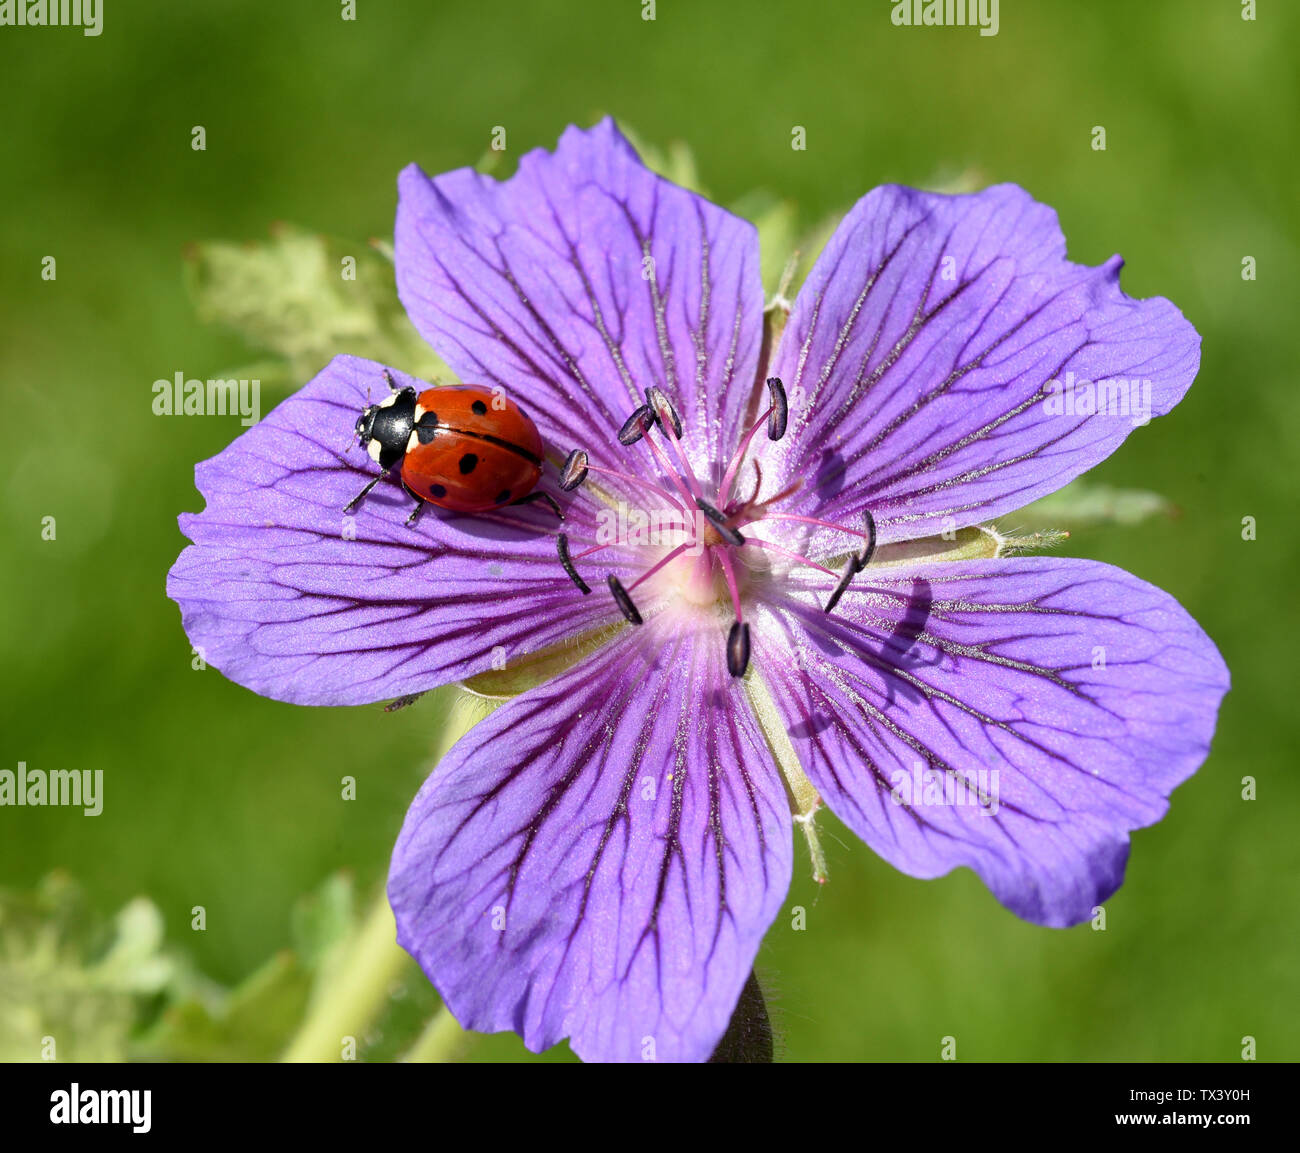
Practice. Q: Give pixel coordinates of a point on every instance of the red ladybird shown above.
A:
(462, 447)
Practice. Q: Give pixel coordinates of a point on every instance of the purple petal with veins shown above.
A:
(1089, 694)
(600, 858)
(919, 353)
(281, 598)
(579, 283)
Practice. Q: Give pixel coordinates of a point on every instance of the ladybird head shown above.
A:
(384, 429)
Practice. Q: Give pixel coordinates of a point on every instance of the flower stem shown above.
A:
(347, 1005)
(350, 996)
(440, 1042)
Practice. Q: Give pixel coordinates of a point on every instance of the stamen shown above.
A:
(758, 483)
(562, 546)
(667, 466)
(868, 532)
(663, 411)
(624, 602)
(779, 413)
(681, 548)
(719, 521)
(846, 578)
(770, 547)
(640, 482)
(662, 407)
(636, 426)
(732, 587)
(768, 417)
(738, 649)
(864, 557)
(574, 471)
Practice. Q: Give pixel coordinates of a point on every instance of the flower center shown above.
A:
(713, 555)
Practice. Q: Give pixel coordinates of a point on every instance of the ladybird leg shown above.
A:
(419, 505)
(392, 384)
(545, 497)
(350, 507)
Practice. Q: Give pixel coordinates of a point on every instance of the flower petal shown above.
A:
(580, 282)
(1091, 693)
(288, 596)
(600, 857)
(918, 356)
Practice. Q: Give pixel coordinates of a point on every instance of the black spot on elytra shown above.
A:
(437, 490)
(503, 496)
(479, 407)
(426, 427)
(467, 463)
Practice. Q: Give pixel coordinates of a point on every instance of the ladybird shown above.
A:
(464, 447)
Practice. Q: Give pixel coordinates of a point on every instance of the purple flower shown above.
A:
(600, 858)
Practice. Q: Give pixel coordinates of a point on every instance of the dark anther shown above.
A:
(402, 702)
(846, 578)
(624, 602)
(780, 414)
(662, 407)
(562, 545)
(864, 557)
(738, 649)
(574, 471)
(719, 521)
(636, 425)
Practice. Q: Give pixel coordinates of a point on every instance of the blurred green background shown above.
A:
(217, 797)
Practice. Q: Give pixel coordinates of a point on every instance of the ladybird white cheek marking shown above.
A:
(413, 441)
(389, 400)
(374, 448)
(420, 410)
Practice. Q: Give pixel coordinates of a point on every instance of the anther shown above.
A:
(636, 426)
(780, 414)
(562, 546)
(663, 409)
(574, 471)
(624, 602)
(862, 559)
(846, 578)
(738, 649)
(719, 521)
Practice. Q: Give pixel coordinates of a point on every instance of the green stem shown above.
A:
(440, 1042)
(349, 1003)
(354, 994)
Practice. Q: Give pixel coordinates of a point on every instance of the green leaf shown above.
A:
(71, 977)
(251, 1023)
(304, 299)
